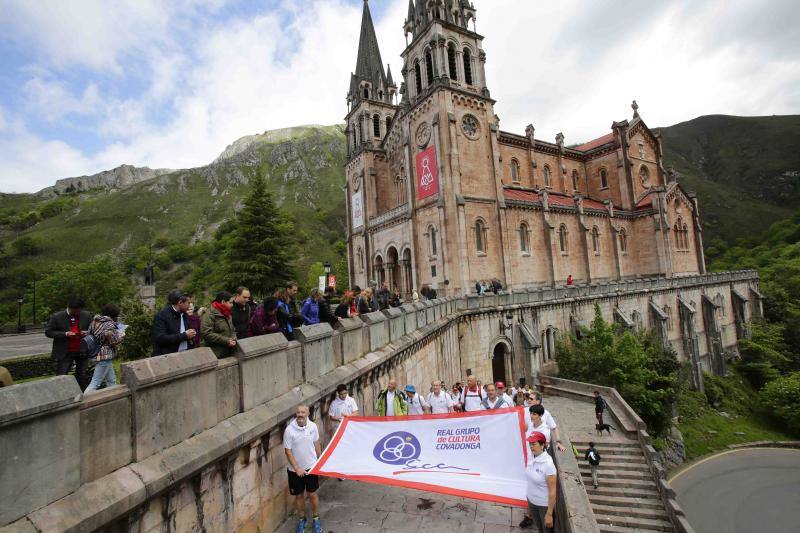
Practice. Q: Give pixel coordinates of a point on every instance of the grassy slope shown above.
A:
(738, 166)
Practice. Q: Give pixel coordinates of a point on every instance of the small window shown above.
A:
(380, 95)
(644, 176)
(546, 173)
(574, 180)
(603, 178)
(376, 126)
(596, 240)
(418, 77)
(451, 62)
(562, 239)
(524, 243)
(514, 170)
(366, 92)
(429, 67)
(480, 236)
(467, 67)
(623, 241)
(432, 237)
(388, 124)
(685, 233)
(641, 150)
(433, 271)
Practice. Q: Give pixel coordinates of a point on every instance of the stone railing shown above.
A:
(396, 212)
(182, 428)
(634, 427)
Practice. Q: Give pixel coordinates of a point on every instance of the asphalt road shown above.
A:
(13, 346)
(743, 491)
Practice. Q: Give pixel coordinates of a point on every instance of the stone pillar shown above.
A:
(147, 293)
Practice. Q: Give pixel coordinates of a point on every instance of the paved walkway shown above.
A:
(13, 346)
(577, 419)
(354, 507)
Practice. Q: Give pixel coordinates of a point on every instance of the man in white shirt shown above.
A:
(341, 406)
(416, 403)
(439, 402)
(501, 391)
(472, 396)
(493, 400)
(301, 445)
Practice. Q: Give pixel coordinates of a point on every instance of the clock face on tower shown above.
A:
(356, 182)
(423, 134)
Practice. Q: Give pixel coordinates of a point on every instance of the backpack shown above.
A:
(594, 457)
(89, 346)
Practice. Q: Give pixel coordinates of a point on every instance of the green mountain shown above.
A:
(745, 170)
(169, 217)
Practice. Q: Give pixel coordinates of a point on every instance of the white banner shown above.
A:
(480, 455)
(357, 209)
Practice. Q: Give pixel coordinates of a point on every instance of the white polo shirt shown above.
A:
(489, 404)
(536, 476)
(548, 419)
(416, 405)
(440, 404)
(340, 408)
(301, 440)
(472, 400)
(541, 428)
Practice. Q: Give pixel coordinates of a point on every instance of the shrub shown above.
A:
(138, 342)
(779, 399)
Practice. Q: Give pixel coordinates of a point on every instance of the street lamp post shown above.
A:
(20, 328)
(326, 266)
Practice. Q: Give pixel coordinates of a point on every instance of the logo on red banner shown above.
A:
(427, 177)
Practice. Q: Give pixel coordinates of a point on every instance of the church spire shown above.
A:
(368, 64)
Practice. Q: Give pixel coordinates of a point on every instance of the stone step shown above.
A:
(633, 512)
(648, 484)
(623, 492)
(615, 451)
(625, 502)
(615, 465)
(627, 459)
(605, 528)
(606, 473)
(638, 523)
(607, 444)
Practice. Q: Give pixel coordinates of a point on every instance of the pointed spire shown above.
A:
(389, 80)
(410, 16)
(369, 56)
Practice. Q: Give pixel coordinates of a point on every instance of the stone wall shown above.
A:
(188, 441)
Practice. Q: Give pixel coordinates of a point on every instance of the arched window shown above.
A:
(562, 239)
(388, 124)
(603, 178)
(524, 244)
(623, 241)
(357, 131)
(668, 321)
(514, 170)
(353, 135)
(418, 77)
(679, 236)
(467, 66)
(546, 173)
(451, 61)
(574, 180)
(596, 240)
(360, 259)
(429, 67)
(685, 233)
(376, 126)
(432, 237)
(480, 236)
(366, 92)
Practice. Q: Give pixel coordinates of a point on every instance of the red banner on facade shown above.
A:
(427, 176)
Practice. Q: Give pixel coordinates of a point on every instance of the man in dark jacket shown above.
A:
(171, 332)
(243, 309)
(66, 328)
(325, 311)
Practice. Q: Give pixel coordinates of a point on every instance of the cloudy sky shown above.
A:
(86, 85)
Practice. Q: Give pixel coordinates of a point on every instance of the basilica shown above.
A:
(439, 196)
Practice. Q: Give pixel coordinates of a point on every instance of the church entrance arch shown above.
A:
(392, 268)
(501, 360)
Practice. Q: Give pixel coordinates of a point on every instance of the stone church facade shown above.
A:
(438, 195)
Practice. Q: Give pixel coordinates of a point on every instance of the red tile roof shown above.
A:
(593, 204)
(525, 196)
(600, 141)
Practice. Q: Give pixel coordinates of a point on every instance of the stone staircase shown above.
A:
(627, 498)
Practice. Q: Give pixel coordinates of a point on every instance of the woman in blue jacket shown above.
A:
(310, 309)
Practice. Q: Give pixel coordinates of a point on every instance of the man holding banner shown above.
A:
(301, 445)
(540, 475)
(391, 402)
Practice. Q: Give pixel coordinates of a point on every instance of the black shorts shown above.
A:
(297, 485)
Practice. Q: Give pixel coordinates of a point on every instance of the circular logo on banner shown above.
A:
(397, 448)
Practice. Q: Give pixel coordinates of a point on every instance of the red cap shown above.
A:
(537, 436)
(500, 385)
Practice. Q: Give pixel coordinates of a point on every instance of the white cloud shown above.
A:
(572, 68)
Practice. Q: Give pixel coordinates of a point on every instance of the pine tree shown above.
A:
(259, 251)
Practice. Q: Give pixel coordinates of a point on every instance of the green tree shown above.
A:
(139, 319)
(98, 281)
(27, 246)
(259, 251)
(635, 363)
(763, 354)
(779, 400)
